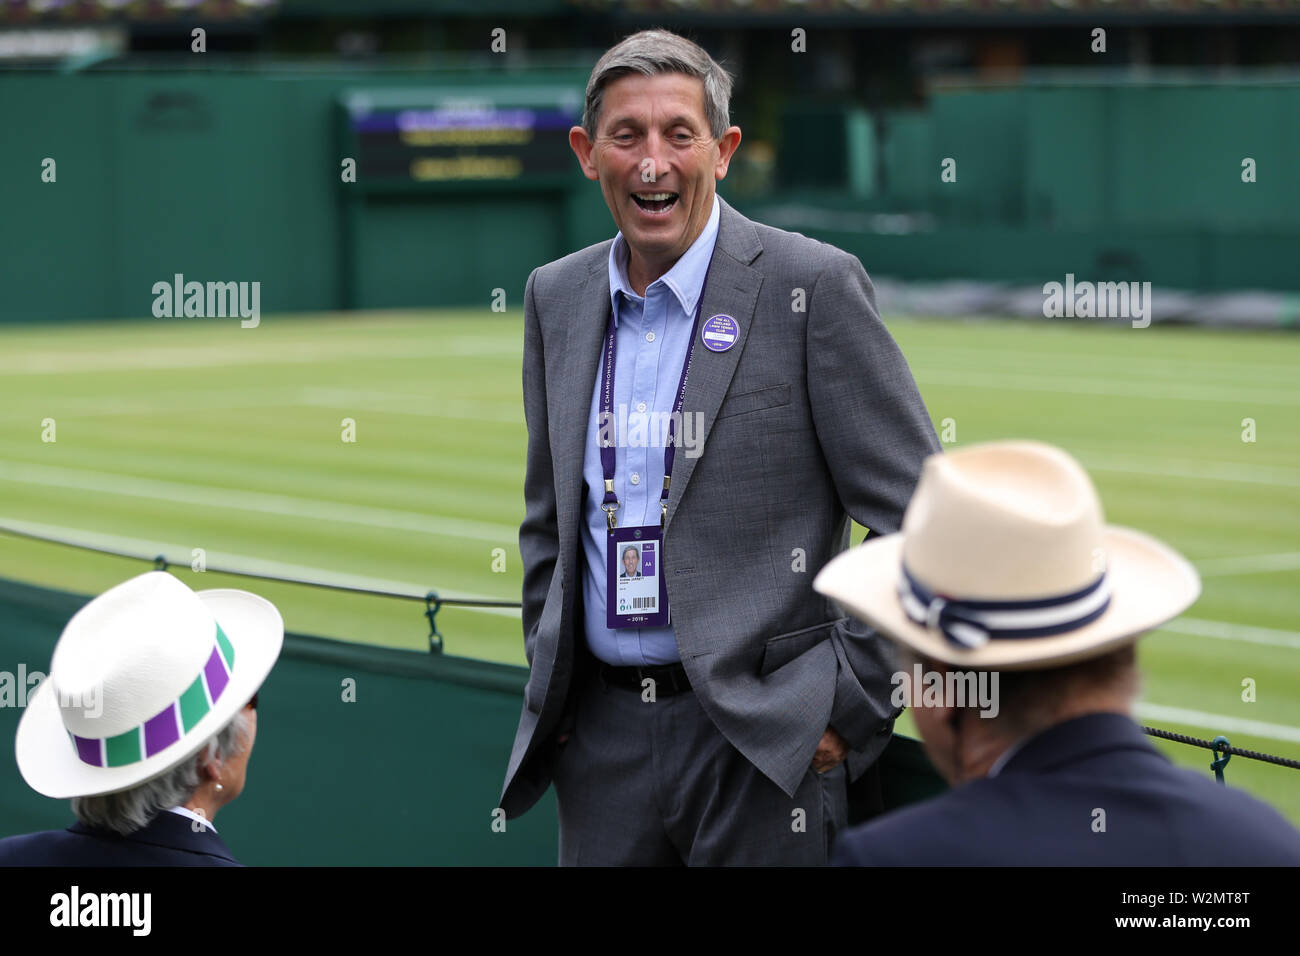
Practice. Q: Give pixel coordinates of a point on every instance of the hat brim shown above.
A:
(1150, 585)
(48, 760)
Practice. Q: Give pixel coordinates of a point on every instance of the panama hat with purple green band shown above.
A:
(141, 678)
(1004, 562)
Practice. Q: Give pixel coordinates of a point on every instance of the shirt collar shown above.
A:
(187, 812)
(1005, 758)
(685, 279)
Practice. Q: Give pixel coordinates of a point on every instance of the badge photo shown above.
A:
(636, 591)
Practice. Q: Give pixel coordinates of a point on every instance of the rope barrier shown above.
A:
(161, 563)
(1220, 745)
(434, 602)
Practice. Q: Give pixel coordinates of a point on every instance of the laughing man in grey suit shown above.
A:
(729, 735)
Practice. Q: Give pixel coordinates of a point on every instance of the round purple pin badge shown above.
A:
(720, 333)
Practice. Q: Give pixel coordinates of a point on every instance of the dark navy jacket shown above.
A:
(1040, 811)
(168, 840)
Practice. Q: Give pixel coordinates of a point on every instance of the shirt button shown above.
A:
(636, 479)
(640, 406)
(649, 336)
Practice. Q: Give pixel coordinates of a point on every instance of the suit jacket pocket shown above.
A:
(753, 401)
(782, 649)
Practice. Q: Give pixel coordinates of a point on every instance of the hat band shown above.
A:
(972, 624)
(171, 723)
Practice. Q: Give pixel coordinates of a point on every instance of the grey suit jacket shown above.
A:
(812, 416)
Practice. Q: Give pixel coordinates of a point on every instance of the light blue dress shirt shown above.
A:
(651, 335)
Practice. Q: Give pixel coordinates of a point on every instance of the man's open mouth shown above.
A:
(655, 202)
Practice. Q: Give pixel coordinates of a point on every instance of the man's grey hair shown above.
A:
(126, 811)
(654, 52)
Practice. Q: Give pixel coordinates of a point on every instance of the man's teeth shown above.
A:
(655, 203)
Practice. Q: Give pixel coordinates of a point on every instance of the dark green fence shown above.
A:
(236, 177)
(408, 774)
(1118, 181)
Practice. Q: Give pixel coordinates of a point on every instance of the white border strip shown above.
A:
(1218, 723)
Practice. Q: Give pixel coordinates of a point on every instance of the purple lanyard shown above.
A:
(607, 453)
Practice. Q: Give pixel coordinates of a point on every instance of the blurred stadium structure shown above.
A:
(1119, 158)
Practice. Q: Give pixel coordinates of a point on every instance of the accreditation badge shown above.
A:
(636, 593)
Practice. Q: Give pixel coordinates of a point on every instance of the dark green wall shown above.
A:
(1170, 257)
(407, 774)
(236, 177)
(1132, 156)
(1107, 181)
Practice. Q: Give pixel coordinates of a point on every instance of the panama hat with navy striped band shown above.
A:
(1004, 562)
(141, 678)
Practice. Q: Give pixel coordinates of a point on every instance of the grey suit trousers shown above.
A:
(654, 783)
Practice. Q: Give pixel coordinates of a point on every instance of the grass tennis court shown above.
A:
(195, 433)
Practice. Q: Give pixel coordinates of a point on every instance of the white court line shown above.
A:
(259, 502)
(393, 403)
(1199, 471)
(1215, 724)
(272, 352)
(178, 401)
(180, 555)
(1249, 564)
(1082, 386)
(1244, 633)
(1140, 365)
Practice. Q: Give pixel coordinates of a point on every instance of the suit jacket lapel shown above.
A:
(576, 365)
(731, 289)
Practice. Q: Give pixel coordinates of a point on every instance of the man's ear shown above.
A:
(726, 149)
(581, 145)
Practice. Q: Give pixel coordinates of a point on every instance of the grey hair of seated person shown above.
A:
(126, 811)
(1030, 701)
